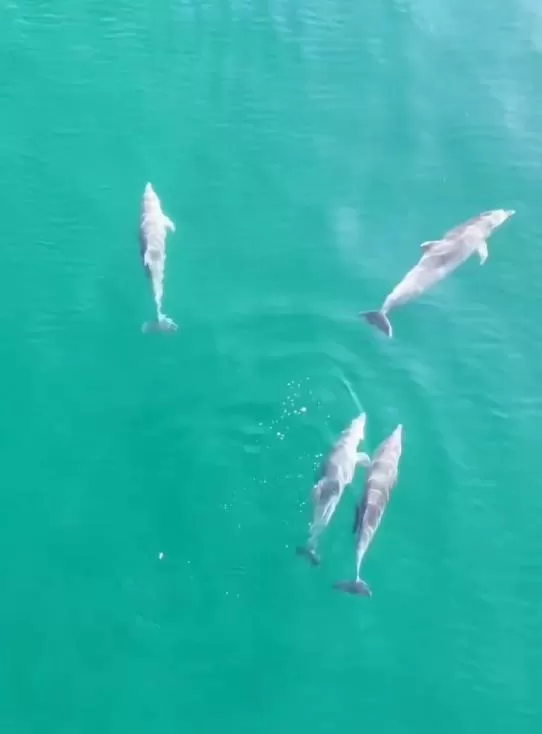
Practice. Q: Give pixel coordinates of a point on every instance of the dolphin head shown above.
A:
(149, 194)
(357, 428)
(150, 198)
(394, 443)
(496, 217)
(397, 434)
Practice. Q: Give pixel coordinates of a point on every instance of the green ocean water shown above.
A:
(304, 150)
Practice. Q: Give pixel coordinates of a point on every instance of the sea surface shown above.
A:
(304, 150)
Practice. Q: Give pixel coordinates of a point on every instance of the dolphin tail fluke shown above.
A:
(162, 323)
(309, 553)
(380, 320)
(358, 588)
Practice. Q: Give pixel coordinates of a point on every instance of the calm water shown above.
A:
(304, 150)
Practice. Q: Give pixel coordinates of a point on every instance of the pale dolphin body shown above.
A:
(439, 259)
(153, 228)
(380, 480)
(337, 472)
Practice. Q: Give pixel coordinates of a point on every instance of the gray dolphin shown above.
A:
(381, 479)
(153, 229)
(439, 259)
(337, 472)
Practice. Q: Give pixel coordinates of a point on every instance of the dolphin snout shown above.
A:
(360, 421)
(503, 214)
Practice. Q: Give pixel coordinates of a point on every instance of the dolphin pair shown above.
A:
(337, 472)
(379, 482)
(153, 229)
(439, 259)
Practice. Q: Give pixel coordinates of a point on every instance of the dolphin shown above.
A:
(153, 229)
(337, 472)
(439, 259)
(380, 480)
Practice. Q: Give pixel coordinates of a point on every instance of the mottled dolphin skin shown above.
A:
(337, 472)
(439, 259)
(153, 229)
(381, 479)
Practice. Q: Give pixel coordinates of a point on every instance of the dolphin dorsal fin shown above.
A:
(357, 514)
(426, 246)
(358, 517)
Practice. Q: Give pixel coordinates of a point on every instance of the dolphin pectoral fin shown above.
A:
(482, 251)
(426, 246)
(363, 460)
(169, 224)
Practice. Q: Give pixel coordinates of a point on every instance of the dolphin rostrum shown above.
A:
(152, 238)
(337, 472)
(439, 259)
(380, 480)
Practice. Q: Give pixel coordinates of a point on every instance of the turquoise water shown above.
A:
(304, 150)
